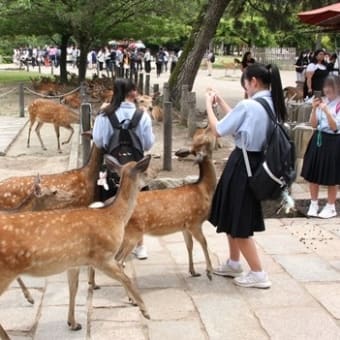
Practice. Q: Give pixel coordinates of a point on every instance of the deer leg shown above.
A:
(25, 291)
(69, 127)
(37, 130)
(73, 280)
(57, 132)
(29, 132)
(199, 236)
(127, 246)
(4, 283)
(3, 334)
(92, 277)
(114, 270)
(189, 245)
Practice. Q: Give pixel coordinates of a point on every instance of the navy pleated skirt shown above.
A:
(235, 210)
(321, 162)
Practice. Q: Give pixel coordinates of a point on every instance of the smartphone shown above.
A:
(317, 94)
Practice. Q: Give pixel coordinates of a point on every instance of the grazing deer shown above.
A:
(41, 198)
(49, 242)
(46, 111)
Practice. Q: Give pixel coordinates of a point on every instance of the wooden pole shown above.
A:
(167, 133)
(155, 88)
(166, 92)
(21, 100)
(147, 84)
(141, 83)
(85, 121)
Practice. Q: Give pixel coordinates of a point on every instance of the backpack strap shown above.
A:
(114, 121)
(137, 116)
(268, 109)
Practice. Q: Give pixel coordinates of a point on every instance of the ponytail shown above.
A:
(121, 89)
(269, 75)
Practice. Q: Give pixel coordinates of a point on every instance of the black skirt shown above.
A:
(321, 162)
(235, 210)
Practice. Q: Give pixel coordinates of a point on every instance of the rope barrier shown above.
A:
(8, 92)
(51, 97)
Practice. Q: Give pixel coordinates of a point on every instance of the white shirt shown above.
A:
(334, 108)
(103, 131)
(248, 120)
(313, 67)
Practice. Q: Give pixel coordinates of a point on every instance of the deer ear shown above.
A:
(183, 153)
(112, 163)
(143, 164)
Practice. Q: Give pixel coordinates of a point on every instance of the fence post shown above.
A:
(141, 83)
(147, 84)
(192, 119)
(167, 132)
(21, 100)
(166, 92)
(85, 116)
(52, 67)
(155, 88)
(184, 105)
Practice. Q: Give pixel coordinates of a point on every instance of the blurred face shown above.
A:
(320, 57)
(132, 95)
(251, 86)
(329, 92)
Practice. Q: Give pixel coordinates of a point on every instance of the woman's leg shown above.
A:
(234, 249)
(314, 191)
(332, 191)
(248, 249)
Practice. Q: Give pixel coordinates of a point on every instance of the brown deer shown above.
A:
(79, 184)
(46, 111)
(41, 198)
(49, 242)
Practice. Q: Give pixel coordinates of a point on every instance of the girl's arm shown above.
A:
(309, 76)
(331, 121)
(313, 117)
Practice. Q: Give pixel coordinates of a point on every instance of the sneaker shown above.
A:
(252, 281)
(227, 270)
(328, 211)
(313, 210)
(140, 252)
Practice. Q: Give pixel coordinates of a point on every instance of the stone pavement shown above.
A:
(302, 257)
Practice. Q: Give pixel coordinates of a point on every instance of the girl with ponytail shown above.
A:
(235, 210)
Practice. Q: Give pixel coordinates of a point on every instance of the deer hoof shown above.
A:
(76, 327)
(194, 274)
(146, 314)
(209, 275)
(30, 300)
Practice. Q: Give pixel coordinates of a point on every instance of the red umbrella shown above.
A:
(328, 17)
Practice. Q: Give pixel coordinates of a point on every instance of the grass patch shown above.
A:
(16, 76)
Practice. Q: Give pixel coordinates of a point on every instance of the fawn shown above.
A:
(49, 242)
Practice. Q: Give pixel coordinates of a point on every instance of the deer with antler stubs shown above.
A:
(49, 242)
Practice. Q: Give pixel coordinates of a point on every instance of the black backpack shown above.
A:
(277, 170)
(124, 144)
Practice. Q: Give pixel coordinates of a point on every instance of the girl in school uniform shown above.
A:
(235, 210)
(321, 164)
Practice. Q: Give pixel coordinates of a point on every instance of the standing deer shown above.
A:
(49, 242)
(46, 111)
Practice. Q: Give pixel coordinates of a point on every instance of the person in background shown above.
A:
(247, 60)
(123, 106)
(300, 66)
(321, 163)
(173, 60)
(147, 61)
(235, 210)
(210, 61)
(159, 61)
(316, 73)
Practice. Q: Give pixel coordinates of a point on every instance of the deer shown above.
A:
(79, 183)
(46, 111)
(185, 208)
(39, 199)
(50, 242)
(293, 93)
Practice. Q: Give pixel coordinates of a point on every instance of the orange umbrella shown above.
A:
(327, 17)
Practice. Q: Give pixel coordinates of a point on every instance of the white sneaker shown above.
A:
(313, 210)
(227, 270)
(328, 211)
(251, 280)
(140, 252)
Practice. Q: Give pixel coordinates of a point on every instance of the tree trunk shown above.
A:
(63, 51)
(202, 32)
(84, 46)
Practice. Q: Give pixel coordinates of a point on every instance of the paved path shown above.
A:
(302, 257)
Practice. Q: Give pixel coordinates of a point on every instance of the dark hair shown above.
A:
(245, 56)
(269, 75)
(316, 52)
(121, 89)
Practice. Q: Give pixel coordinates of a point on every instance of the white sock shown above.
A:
(315, 203)
(233, 264)
(260, 275)
(331, 206)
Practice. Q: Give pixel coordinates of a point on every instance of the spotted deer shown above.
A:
(41, 198)
(46, 111)
(49, 242)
